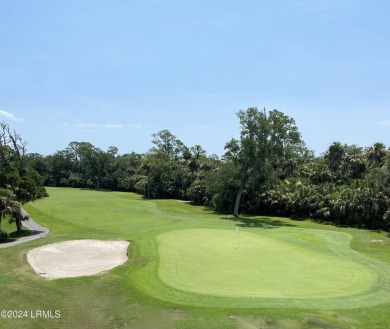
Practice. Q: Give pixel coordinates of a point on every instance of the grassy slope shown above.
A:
(121, 298)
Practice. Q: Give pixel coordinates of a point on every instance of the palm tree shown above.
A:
(10, 207)
(3, 203)
(375, 154)
(334, 157)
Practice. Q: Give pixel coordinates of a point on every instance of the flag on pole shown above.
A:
(237, 228)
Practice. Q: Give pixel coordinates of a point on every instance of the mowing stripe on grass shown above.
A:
(207, 261)
(72, 214)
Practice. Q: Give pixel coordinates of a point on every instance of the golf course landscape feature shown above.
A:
(188, 268)
(207, 261)
(77, 257)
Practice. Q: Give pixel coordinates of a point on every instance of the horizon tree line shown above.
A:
(267, 171)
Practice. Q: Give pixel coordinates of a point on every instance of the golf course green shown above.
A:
(190, 268)
(223, 263)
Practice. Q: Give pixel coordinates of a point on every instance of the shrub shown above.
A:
(3, 235)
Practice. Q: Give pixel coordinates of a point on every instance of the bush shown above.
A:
(3, 235)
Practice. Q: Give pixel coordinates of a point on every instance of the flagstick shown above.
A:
(238, 238)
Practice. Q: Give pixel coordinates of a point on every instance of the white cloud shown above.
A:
(112, 125)
(81, 124)
(384, 123)
(134, 126)
(9, 116)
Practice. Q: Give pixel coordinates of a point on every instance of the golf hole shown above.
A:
(208, 261)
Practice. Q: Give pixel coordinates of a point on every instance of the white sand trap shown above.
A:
(77, 257)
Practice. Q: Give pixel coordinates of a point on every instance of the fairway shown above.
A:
(208, 261)
(186, 269)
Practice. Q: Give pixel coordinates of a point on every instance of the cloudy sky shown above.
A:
(115, 72)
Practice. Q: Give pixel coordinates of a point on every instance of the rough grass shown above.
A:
(135, 296)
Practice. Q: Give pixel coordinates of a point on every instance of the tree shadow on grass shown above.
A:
(13, 236)
(258, 222)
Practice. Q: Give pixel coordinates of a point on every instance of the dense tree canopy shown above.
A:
(268, 171)
(267, 145)
(19, 181)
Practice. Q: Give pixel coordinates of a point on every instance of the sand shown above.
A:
(77, 257)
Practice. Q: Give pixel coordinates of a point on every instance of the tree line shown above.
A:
(19, 181)
(268, 170)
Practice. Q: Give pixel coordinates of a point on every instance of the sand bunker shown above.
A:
(77, 257)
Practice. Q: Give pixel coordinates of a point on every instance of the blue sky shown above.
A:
(115, 72)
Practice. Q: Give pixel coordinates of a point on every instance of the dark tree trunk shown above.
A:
(148, 187)
(18, 222)
(244, 178)
(98, 183)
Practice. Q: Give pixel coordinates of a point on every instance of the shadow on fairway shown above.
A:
(16, 235)
(262, 222)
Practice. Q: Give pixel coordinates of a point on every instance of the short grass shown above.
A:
(10, 228)
(230, 263)
(285, 274)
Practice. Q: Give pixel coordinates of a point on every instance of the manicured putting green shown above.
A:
(209, 261)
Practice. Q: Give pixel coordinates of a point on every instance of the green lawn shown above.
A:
(209, 261)
(187, 269)
(10, 228)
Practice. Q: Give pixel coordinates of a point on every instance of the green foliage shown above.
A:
(9, 174)
(19, 182)
(221, 186)
(268, 148)
(268, 170)
(339, 187)
(30, 187)
(3, 235)
(123, 297)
